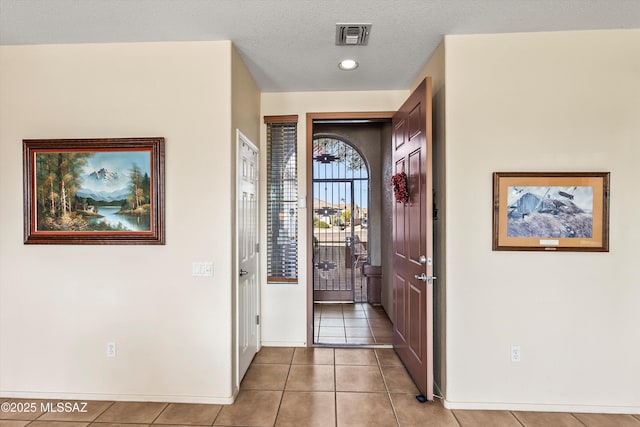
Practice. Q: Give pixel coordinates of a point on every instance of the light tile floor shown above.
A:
(358, 323)
(307, 387)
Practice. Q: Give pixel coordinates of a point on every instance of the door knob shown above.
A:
(424, 260)
(422, 277)
(243, 272)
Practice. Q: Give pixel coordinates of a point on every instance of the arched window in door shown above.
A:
(340, 220)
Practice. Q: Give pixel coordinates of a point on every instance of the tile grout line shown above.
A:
(371, 332)
(335, 390)
(220, 409)
(128, 424)
(517, 419)
(578, 419)
(386, 386)
(284, 387)
(160, 413)
(100, 414)
(456, 418)
(344, 329)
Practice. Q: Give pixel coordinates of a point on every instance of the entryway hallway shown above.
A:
(308, 387)
(357, 324)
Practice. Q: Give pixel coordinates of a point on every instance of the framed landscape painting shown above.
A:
(94, 191)
(551, 211)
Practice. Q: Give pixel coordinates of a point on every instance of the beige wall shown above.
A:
(284, 306)
(245, 100)
(60, 305)
(542, 102)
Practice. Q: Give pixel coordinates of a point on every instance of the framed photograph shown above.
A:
(551, 211)
(94, 191)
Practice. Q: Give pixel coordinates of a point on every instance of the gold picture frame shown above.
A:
(551, 211)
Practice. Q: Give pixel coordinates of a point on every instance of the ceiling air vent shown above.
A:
(352, 34)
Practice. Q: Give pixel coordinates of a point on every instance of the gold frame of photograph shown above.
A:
(551, 211)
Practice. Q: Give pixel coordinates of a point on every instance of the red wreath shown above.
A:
(400, 190)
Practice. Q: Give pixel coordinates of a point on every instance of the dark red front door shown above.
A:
(413, 239)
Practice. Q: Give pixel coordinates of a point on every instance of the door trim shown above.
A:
(360, 115)
(242, 139)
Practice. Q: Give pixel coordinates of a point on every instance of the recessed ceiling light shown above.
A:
(348, 64)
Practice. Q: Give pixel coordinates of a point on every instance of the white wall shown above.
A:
(542, 102)
(284, 306)
(60, 305)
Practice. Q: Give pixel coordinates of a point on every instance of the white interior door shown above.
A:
(247, 290)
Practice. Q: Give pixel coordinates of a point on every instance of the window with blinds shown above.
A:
(282, 199)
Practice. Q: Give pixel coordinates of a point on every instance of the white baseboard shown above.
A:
(283, 344)
(117, 397)
(538, 407)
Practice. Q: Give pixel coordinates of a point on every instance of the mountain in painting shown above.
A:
(105, 177)
(104, 185)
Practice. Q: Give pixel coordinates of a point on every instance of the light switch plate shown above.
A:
(202, 269)
(516, 353)
(111, 349)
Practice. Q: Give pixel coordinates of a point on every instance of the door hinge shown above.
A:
(257, 319)
(257, 247)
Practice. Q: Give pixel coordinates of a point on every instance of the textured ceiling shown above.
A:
(289, 45)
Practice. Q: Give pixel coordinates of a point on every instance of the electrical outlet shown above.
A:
(516, 354)
(111, 349)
